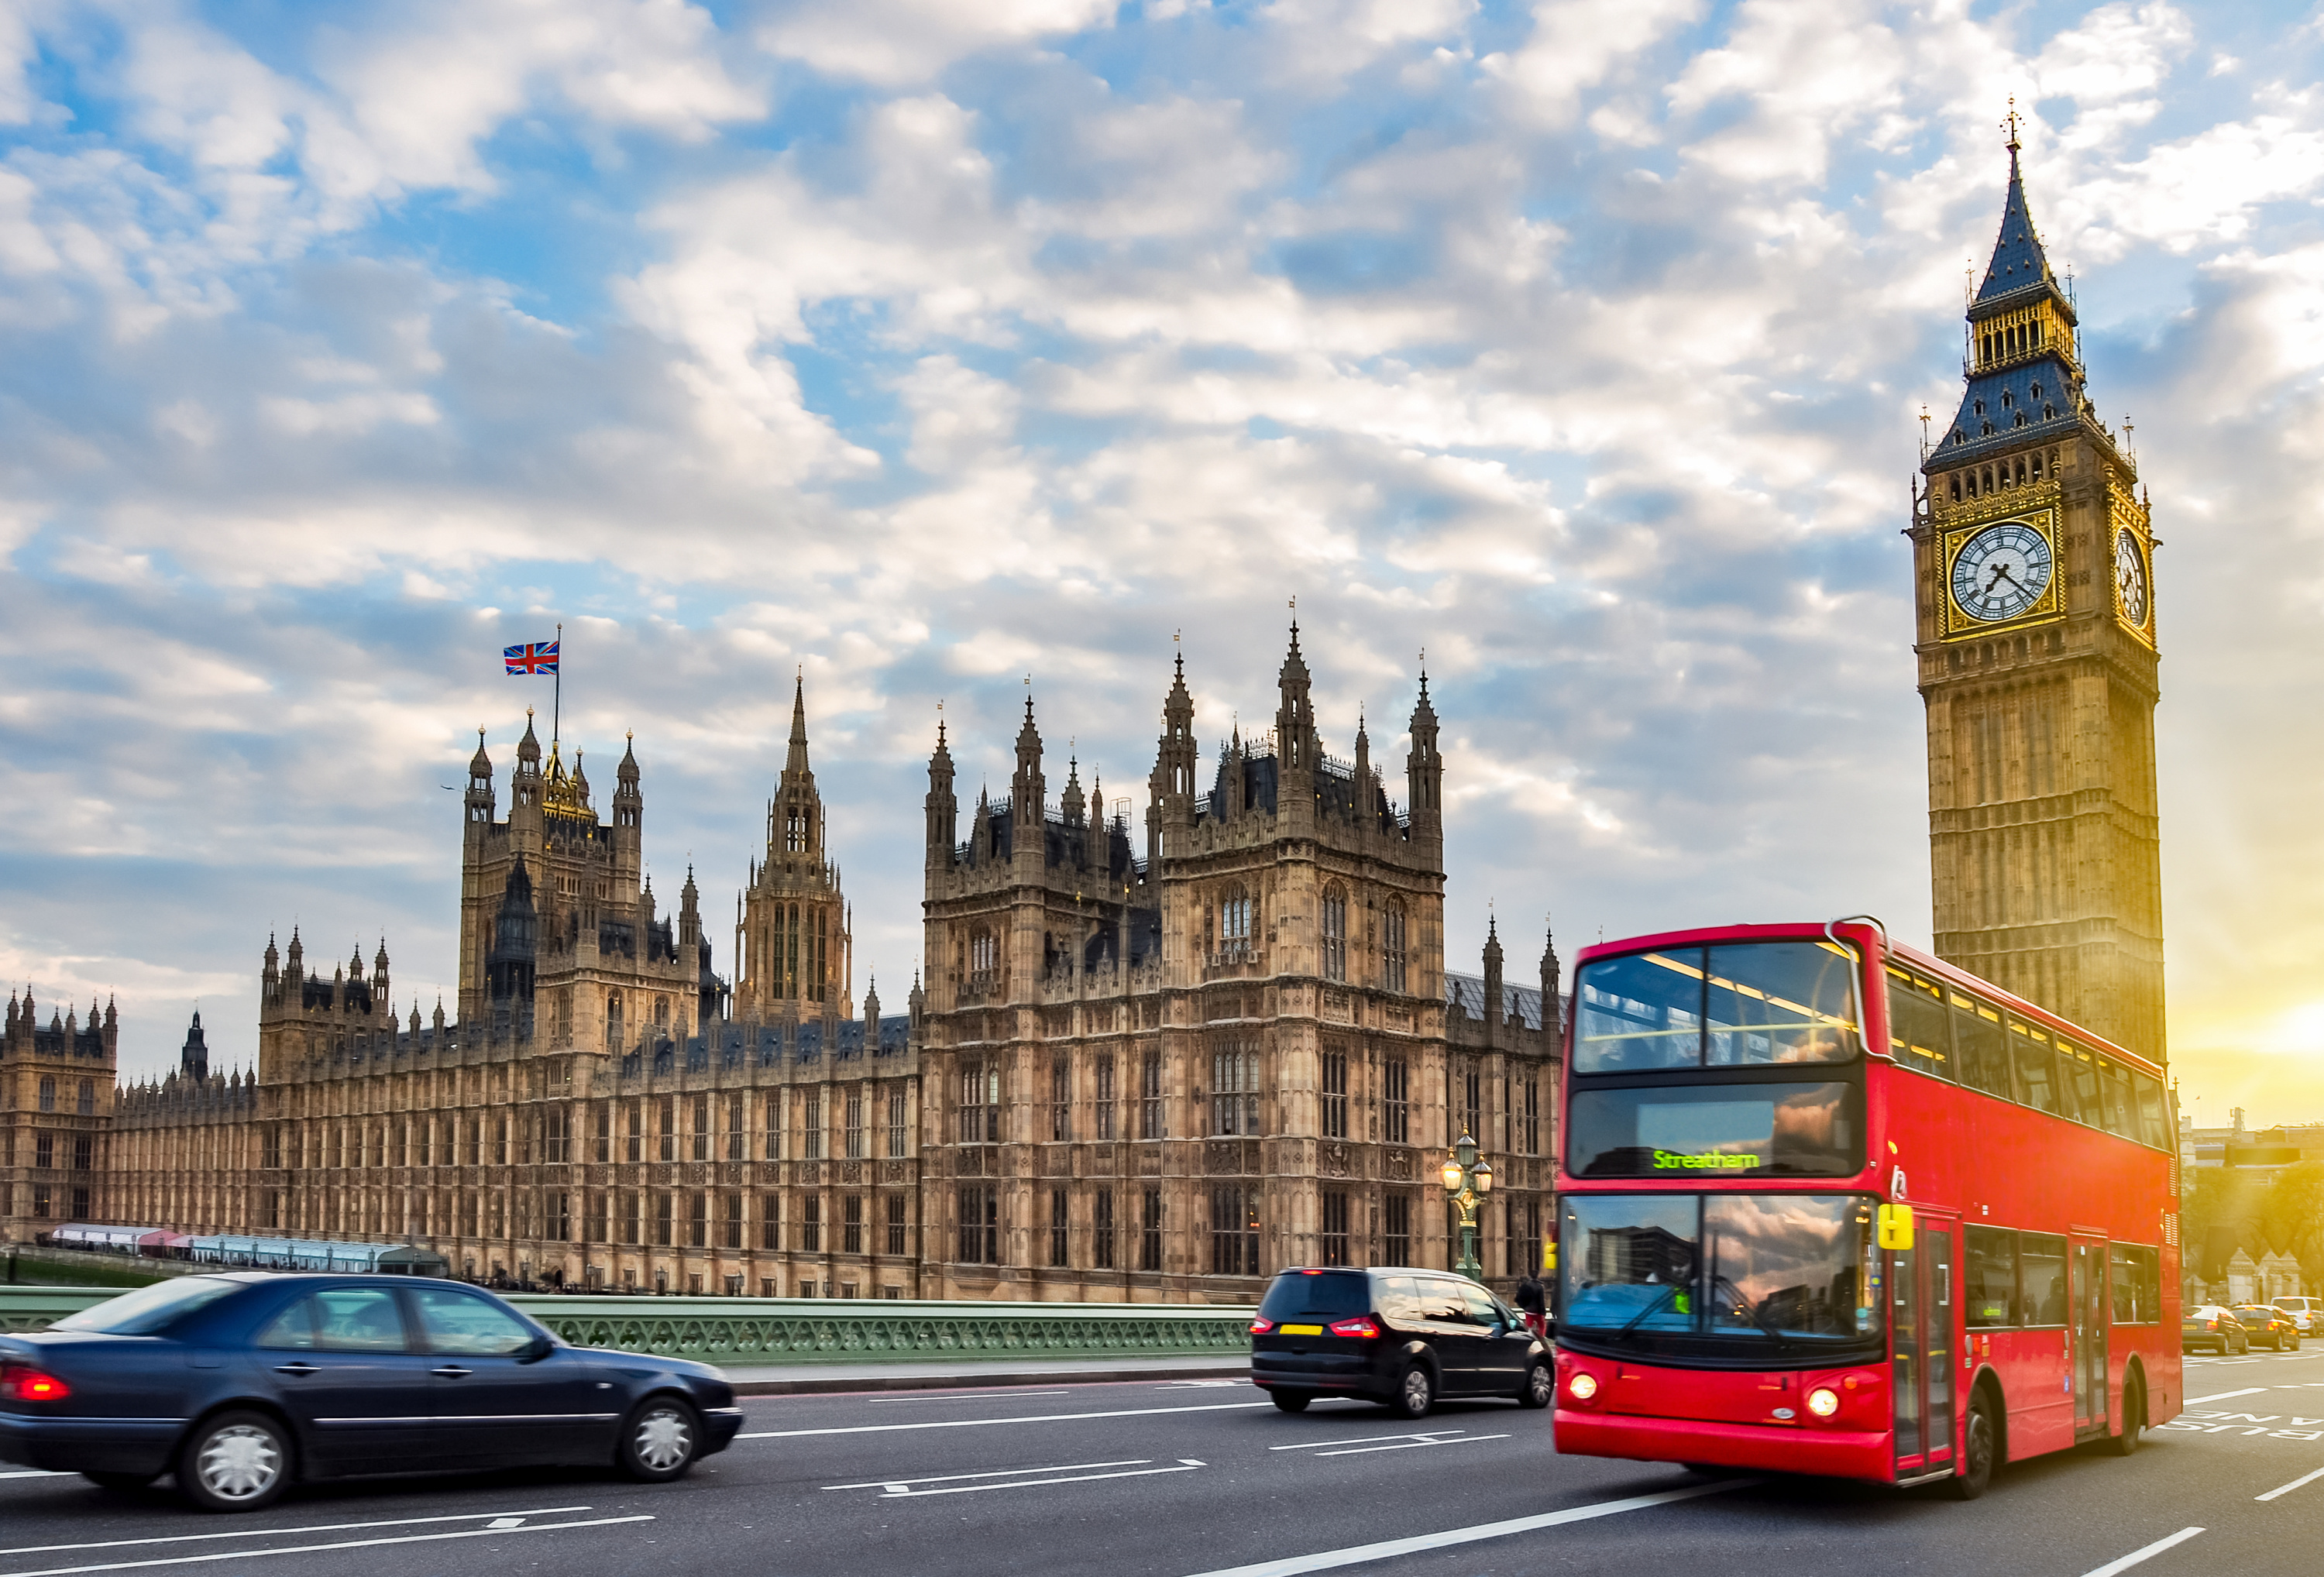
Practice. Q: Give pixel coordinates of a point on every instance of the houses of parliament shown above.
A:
(1147, 1062)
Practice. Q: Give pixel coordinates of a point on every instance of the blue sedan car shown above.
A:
(243, 1384)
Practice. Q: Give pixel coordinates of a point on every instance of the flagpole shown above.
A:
(557, 695)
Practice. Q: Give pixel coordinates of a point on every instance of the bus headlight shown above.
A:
(1582, 1387)
(1824, 1401)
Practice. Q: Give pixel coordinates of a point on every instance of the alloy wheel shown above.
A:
(239, 1463)
(663, 1439)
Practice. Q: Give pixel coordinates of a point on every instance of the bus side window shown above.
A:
(2042, 1277)
(1920, 1031)
(2150, 1285)
(2037, 1071)
(1990, 1276)
(2123, 1271)
(1980, 1047)
(2114, 1084)
(2078, 1083)
(2154, 1125)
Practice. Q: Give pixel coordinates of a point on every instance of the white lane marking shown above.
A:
(505, 1522)
(1364, 1439)
(1204, 1384)
(409, 1538)
(1186, 1465)
(1407, 1445)
(2288, 1488)
(1136, 1461)
(974, 1423)
(1357, 1555)
(2223, 1396)
(258, 1532)
(2148, 1553)
(36, 1473)
(969, 1396)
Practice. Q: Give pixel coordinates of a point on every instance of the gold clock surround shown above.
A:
(1961, 626)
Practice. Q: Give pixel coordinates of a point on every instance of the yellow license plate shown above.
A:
(1302, 1330)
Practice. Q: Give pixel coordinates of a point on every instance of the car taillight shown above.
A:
(1261, 1327)
(2210, 1324)
(23, 1384)
(1360, 1325)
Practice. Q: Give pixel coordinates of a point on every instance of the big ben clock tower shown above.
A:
(2033, 574)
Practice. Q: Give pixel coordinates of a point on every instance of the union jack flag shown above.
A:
(534, 657)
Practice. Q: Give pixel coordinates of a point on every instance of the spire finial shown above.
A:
(2009, 123)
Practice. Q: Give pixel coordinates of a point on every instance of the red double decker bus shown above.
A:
(1829, 1206)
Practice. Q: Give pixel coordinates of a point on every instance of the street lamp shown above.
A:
(1467, 1180)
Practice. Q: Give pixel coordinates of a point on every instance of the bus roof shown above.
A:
(1859, 933)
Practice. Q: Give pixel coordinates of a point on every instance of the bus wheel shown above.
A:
(1979, 1441)
(2133, 1419)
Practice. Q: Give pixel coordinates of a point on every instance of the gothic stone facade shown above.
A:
(1130, 1077)
(2032, 557)
(56, 1106)
(1166, 1078)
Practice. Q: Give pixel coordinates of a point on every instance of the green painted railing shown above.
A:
(750, 1332)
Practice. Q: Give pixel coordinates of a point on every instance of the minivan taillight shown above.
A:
(1361, 1325)
(1261, 1327)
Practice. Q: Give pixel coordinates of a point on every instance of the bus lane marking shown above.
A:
(1357, 1554)
(978, 1423)
(1363, 1439)
(2223, 1396)
(2148, 1553)
(2288, 1488)
(995, 1473)
(409, 1538)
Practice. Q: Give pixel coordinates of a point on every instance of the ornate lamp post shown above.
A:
(1467, 1180)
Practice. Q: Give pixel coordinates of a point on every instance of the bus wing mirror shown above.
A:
(1895, 1225)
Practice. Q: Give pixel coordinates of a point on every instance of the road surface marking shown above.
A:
(2288, 1488)
(1357, 1555)
(1183, 1467)
(2148, 1553)
(37, 1473)
(1138, 1461)
(975, 1423)
(409, 1538)
(2223, 1396)
(255, 1532)
(505, 1522)
(1363, 1439)
(1407, 1445)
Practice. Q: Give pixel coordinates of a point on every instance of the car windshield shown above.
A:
(1745, 1279)
(1756, 1002)
(1326, 1294)
(149, 1308)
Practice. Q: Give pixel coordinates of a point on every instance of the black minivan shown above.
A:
(1395, 1334)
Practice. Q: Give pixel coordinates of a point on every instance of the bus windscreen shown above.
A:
(1735, 1006)
(1709, 1132)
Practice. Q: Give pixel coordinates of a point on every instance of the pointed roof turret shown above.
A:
(527, 748)
(627, 770)
(2018, 261)
(796, 762)
(480, 765)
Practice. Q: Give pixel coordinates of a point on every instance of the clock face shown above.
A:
(2130, 578)
(2001, 573)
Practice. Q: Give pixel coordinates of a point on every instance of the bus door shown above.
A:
(1923, 1336)
(2086, 1327)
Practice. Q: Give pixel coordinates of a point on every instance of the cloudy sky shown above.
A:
(931, 345)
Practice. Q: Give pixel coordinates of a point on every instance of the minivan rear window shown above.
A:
(1336, 1294)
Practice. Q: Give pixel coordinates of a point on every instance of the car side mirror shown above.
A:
(534, 1351)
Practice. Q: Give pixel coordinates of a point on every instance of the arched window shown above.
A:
(613, 1042)
(1392, 947)
(48, 1095)
(795, 830)
(1234, 924)
(983, 958)
(1336, 933)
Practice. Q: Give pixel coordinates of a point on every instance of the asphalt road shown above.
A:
(1173, 1479)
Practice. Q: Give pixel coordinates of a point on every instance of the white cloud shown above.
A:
(904, 42)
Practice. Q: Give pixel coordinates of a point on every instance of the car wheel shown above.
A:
(236, 1462)
(1540, 1387)
(2133, 1419)
(661, 1439)
(1415, 1393)
(1291, 1401)
(1979, 1441)
(121, 1483)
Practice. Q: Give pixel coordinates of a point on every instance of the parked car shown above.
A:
(1398, 1335)
(2265, 1323)
(2308, 1312)
(242, 1384)
(2215, 1326)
